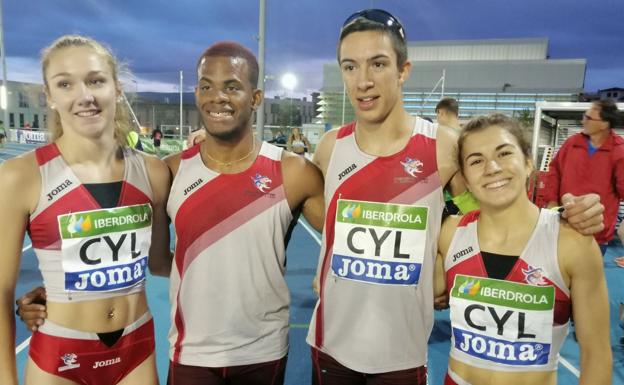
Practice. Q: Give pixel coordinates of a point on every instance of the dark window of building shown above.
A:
(36, 121)
(608, 94)
(23, 100)
(275, 108)
(21, 120)
(615, 94)
(11, 120)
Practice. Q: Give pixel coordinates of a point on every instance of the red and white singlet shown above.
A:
(375, 310)
(86, 252)
(228, 294)
(515, 324)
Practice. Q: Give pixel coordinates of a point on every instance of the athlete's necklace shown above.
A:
(229, 164)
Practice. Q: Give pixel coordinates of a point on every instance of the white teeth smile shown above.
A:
(220, 114)
(367, 99)
(86, 114)
(497, 184)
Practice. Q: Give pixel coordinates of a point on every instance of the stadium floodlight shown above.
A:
(3, 97)
(289, 81)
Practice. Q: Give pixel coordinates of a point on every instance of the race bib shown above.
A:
(105, 249)
(500, 321)
(381, 243)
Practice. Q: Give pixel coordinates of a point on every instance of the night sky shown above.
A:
(156, 39)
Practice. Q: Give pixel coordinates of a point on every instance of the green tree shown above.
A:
(289, 114)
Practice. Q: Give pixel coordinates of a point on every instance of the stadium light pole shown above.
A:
(181, 111)
(261, 77)
(4, 91)
(289, 81)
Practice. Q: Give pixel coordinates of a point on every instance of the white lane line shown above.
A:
(312, 232)
(22, 346)
(570, 367)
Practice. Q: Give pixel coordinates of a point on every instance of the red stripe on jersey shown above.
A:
(468, 218)
(46, 153)
(214, 210)
(383, 171)
(346, 130)
(190, 152)
(218, 200)
(44, 229)
(130, 195)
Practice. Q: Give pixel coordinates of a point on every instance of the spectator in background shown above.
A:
(447, 112)
(279, 139)
(297, 142)
(591, 161)
(2, 134)
(456, 197)
(157, 136)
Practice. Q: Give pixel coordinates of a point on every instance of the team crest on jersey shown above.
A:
(80, 225)
(261, 182)
(69, 359)
(534, 276)
(412, 166)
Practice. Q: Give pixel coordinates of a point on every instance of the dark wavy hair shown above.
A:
(480, 123)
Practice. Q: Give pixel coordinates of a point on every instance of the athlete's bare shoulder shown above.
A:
(160, 177)
(173, 162)
(573, 245)
(303, 185)
(300, 174)
(20, 180)
(446, 153)
(447, 232)
(324, 149)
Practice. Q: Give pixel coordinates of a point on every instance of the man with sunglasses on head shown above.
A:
(384, 175)
(591, 161)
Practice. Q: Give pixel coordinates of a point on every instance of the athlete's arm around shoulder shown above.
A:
(303, 184)
(20, 188)
(160, 258)
(581, 264)
(324, 150)
(439, 278)
(446, 154)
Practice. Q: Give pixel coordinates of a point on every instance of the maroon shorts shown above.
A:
(83, 358)
(328, 371)
(448, 380)
(265, 373)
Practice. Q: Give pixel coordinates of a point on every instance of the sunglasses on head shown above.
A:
(378, 16)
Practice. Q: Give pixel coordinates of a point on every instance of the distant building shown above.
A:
(302, 108)
(26, 105)
(503, 75)
(616, 94)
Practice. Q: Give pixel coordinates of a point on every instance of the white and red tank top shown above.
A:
(377, 257)
(87, 252)
(228, 294)
(515, 324)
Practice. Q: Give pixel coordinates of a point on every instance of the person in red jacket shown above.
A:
(591, 162)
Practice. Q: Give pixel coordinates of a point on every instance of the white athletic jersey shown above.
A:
(86, 252)
(228, 294)
(515, 324)
(383, 214)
